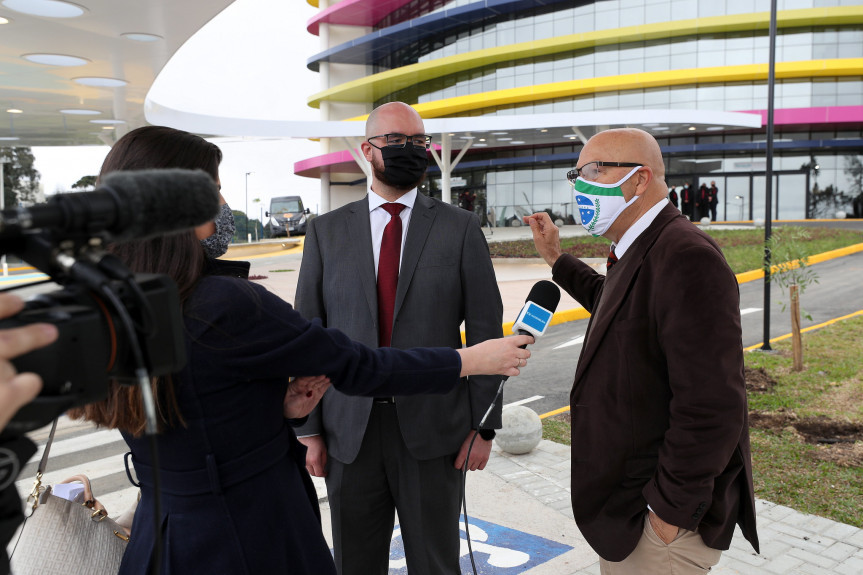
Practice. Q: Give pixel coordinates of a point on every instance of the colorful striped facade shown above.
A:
(511, 58)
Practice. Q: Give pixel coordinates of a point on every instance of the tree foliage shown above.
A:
(85, 182)
(20, 177)
(825, 202)
(854, 168)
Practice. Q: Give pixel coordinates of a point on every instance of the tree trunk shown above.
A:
(796, 342)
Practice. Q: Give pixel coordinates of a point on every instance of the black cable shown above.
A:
(150, 413)
(464, 472)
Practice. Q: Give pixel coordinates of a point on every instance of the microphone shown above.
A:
(126, 205)
(535, 317)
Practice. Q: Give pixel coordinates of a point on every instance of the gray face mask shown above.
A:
(217, 244)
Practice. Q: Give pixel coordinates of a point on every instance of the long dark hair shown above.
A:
(179, 255)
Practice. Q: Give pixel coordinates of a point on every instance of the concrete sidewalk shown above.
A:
(521, 521)
(519, 508)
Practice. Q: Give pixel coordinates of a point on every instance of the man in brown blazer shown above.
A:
(661, 469)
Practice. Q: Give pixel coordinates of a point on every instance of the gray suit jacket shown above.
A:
(446, 278)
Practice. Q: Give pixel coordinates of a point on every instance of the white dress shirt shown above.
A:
(379, 218)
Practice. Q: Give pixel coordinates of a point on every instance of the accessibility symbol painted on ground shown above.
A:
(497, 550)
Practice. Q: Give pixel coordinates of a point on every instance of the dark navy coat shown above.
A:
(236, 498)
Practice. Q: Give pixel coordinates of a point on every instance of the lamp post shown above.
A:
(248, 235)
(768, 192)
(741, 206)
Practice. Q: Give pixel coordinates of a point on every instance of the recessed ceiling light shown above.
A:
(141, 37)
(109, 122)
(80, 112)
(9, 138)
(516, 142)
(15, 111)
(468, 137)
(55, 59)
(4, 20)
(47, 8)
(544, 130)
(715, 128)
(480, 145)
(691, 128)
(660, 128)
(499, 133)
(481, 140)
(504, 139)
(571, 137)
(101, 82)
(107, 127)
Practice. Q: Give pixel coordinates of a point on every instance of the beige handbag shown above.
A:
(63, 537)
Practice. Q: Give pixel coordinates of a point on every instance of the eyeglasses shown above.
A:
(590, 171)
(400, 140)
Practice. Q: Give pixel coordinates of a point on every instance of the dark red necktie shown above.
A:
(388, 273)
(612, 259)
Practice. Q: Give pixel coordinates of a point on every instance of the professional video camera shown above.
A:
(113, 324)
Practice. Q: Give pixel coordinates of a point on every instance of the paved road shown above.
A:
(554, 359)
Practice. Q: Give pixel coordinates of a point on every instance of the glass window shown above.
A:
(742, 6)
(632, 100)
(794, 53)
(657, 97)
(708, 8)
(684, 9)
(684, 60)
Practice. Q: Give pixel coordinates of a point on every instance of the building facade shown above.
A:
(510, 59)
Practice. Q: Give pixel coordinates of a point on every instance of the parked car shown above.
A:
(287, 216)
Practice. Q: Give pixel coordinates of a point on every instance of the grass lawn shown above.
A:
(806, 427)
(744, 249)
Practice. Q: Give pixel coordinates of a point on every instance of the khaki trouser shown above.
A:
(686, 555)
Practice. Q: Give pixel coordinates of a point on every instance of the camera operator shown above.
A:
(16, 390)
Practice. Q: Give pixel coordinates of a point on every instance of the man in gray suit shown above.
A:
(399, 453)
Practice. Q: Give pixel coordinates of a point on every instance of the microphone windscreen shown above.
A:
(155, 202)
(545, 294)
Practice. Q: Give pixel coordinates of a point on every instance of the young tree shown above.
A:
(20, 177)
(788, 246)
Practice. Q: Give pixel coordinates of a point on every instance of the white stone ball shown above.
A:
(521, 431)
(841, 215)
(705, 221)
(558, 222)
(759, 222)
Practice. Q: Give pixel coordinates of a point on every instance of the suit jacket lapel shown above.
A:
(422, 216)
(358, 243)
(616, 287)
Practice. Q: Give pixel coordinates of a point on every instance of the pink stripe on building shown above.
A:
(820, 115)
(355, 13)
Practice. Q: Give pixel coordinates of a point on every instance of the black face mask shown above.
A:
(403, 167)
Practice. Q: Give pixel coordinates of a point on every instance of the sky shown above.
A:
(227, 68)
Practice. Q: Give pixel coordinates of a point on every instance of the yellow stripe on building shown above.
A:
(373, 87)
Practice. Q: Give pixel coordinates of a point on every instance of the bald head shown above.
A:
(394, 117)
(626, 145)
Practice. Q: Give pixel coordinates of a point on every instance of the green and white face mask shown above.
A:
(600, 204)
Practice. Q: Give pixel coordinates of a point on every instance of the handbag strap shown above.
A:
(37, 485)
